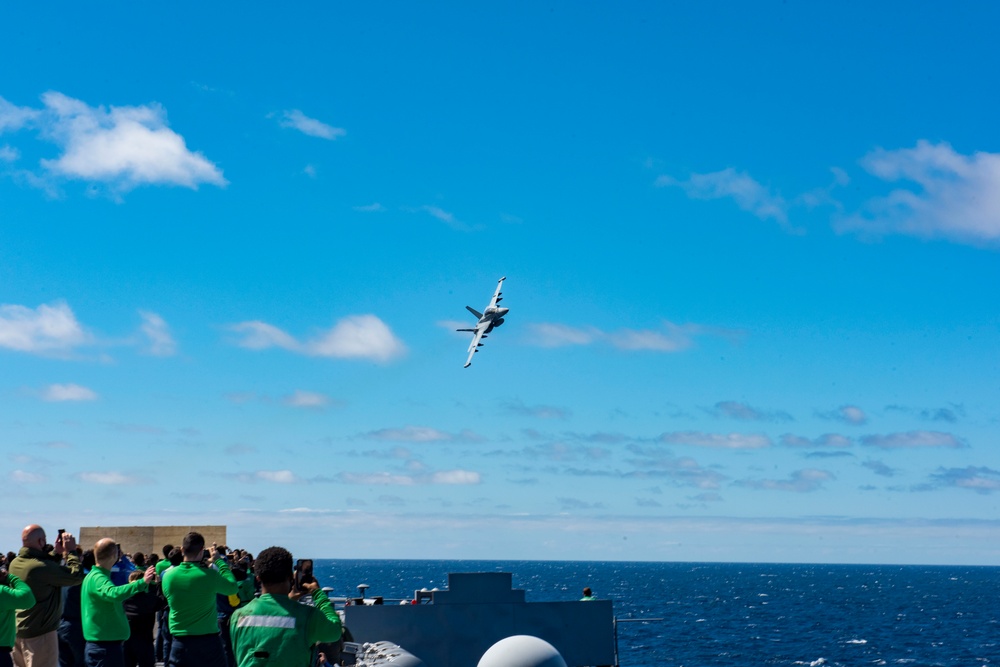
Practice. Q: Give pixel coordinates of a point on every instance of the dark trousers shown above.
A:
(104, 654)
(71, 642)
(5, 659)
(163, 635)
(139, 652)
(196, 651)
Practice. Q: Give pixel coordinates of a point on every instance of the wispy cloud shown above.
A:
(123, 147)
(270, 476)
(801, 481)
(952, 196)
(949, 415)
(354, 337)
(419, 434)
(879, 468)
(48, 329)
(670, 338)
(979, 479)
(110, 478)
(24, 477)
(447, 217)
(745, 412)
(370, 208)
(57, 393)
(445, 477)
(161, 342)
(913, 440)
(307, 399)
(517, 407)
(749, 194)
(846, 414)
(824, 441)
(296, 120)
(655, 461)
(717, 440)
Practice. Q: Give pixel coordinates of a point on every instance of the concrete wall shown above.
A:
(147, 539)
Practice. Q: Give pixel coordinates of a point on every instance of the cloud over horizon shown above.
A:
(352, 337)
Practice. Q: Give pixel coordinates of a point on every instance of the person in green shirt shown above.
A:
(14, 594)
(275, 629)
(190, 589)
(588, 595)
(105, 626)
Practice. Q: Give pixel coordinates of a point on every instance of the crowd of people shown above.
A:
(63, 606)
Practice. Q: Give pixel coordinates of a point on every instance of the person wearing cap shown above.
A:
(105, 626)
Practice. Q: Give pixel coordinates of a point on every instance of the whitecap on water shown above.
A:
(856, 641)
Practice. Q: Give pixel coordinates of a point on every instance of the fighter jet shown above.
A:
(490, 318)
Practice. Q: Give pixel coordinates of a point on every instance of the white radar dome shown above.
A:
(522, 651)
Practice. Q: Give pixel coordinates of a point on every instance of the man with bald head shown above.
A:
(105, 626)
(37, 644)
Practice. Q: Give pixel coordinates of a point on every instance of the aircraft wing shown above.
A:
(496, 294)
(474, 346)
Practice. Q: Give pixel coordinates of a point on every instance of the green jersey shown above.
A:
(273, 630)
(190, 589)
(15, 595)
(101, 606)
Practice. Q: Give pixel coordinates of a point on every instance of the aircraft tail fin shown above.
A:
(474, 312)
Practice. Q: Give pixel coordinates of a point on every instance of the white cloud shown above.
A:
(954, 196)
(108, 478)
(913, 440)
(748, 194)
(161, 343)
(9, 154)
(671, 338)
(455, 477)
(410, 434)
(46, 329)
(717, 440)
(122, 146)
(68, 392)
(22, 477)
(297, 120)
(276, 476)
(353, 337)
(13, 118)
(370, 208)
(800, 481)
(307, 399)
(443, 477)
(823, 441)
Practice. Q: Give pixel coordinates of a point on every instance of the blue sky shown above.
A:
(752, 262)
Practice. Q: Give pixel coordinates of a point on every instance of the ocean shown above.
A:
(725, 614)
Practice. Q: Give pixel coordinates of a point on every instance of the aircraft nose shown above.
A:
(502, 311)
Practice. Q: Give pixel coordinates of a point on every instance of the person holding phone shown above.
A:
(275, 629)
(37, 642)
(190, 589)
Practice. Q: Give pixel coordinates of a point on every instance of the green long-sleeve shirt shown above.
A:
(101, 606)
(190, 589)
(15, 595)
(273, 630)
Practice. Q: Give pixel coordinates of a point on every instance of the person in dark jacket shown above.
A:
(141, 609)
(37, 644)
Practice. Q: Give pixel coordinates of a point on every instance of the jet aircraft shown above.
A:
(488, 319)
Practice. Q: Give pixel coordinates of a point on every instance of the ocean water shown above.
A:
(730, 614)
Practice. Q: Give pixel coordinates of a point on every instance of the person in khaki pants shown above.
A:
(37, 642)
